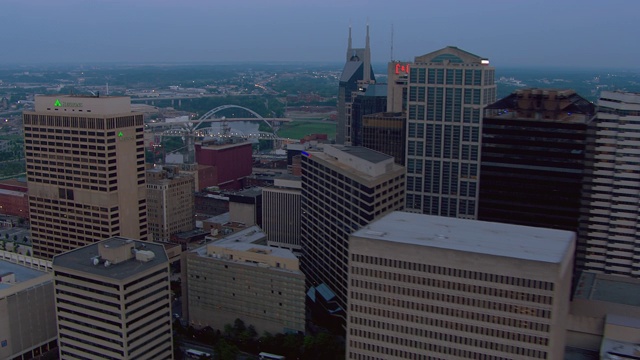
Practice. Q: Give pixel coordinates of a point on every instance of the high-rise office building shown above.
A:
(369, 99)
(85, 171)
(343, 189)
(610, 225)
(356, 73)
(532, 167)
(113, 301)
(448, 90)
(385, 132)
(457, 288)
(170, 202)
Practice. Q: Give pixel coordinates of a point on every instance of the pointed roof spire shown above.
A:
(367, 57)
(349, 51)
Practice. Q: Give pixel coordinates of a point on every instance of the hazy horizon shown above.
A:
(512, 34)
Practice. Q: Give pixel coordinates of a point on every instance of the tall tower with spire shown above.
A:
(357, 72)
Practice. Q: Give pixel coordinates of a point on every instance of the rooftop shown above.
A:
(364, 153)
(82, 259)
(247, 236)
(20, 272)
(609, 288)
(451, 54)
(497, 239)
(544, 104)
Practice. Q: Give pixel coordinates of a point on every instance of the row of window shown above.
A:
(453, 272)
(406, 279)
(442, 336)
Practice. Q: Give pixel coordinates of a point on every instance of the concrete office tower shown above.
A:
(533, 150)
(113, 301)
(170, 202)
(281, 212)
(610, 227)
(357, 71)
(236, 278)
(343, 189)
(448, 89)
(457, 288)
(27, 311)
(85, 172)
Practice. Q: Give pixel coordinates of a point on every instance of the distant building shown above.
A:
(246, 207)
(533, 158)
(170, 202)
(27, 311)
(610, 226)
(231, 163)
(14, 199)
(114, 301)
(85, 171)
(343, 189)
(385, 132)
(455, 288)
(447, 92)
(368, 99)
(236, 278)
(281, 212)
(357, 71)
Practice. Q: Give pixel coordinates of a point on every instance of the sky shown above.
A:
(511, 33)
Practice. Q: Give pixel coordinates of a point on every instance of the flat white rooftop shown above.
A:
(513, 241)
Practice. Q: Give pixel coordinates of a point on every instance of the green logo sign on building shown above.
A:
(57, 103)
(120, 134)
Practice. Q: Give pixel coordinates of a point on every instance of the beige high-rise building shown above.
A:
(85, 171)
(170, 202)
(113, 301)
(457, 289)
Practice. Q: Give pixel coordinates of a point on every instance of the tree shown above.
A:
(225, 351)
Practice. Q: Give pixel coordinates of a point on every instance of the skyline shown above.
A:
(510, 33)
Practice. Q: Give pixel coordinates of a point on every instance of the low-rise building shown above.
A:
(27, 308)
(236, 278)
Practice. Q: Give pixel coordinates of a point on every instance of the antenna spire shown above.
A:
(391, 41)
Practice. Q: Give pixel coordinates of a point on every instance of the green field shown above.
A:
(299, 129)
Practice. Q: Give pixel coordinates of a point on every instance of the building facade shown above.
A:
(281, 212)
(369, 99)
(85, 172)
(235, 278)
(533, 158)
(447, 91)
(343, 189)
(113, 301)
(610, 227)
(385, 132)
(170, 202)
(223, 164)
(457, 288)
(357, 72)
(27, 311)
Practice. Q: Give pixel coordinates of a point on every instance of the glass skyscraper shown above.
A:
(448, 90)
